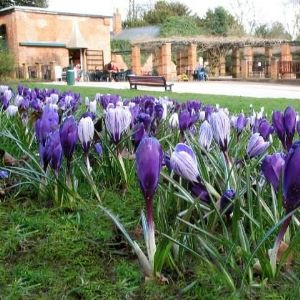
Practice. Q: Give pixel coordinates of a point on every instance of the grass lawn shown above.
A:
(234, 103)
(61, 253)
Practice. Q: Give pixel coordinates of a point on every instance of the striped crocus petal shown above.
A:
(117, 121)
(183, 162)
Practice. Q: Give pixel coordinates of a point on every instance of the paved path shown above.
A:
(231, 88)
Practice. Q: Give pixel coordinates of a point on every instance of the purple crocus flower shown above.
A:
(291, 178)
(184, 163)
(46, 124)
(256, 145)
(145, 119)
(149, 158)
(99, 149)
(278, 124)
(241, 123)
(298, 127)
(68, 136)
(184, 120)
(138, 134)
(3, 174)
(289, 117)
(199, 191)
(52, 152)
(226, 201)
(264, 128)
(159, 111)
(272, 167)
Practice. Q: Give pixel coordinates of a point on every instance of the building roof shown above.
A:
(39, 10)
(137, 34)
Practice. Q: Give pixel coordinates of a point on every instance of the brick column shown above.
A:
(166, 61)
(236, 63)
(192, 57)
(274, 68)
(39, 74)
(286, 59)
(244, 68)
(222, 65)
(136, 60)
(25, 71)
(52, 71)
(248, 56)
(268, 59)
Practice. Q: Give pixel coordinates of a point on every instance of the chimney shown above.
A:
(117, 22)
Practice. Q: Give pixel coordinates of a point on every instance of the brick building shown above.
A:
(41, 39)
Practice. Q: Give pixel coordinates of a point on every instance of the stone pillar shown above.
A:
(236, 63)
(25, 71)
(166, 61)
(244, 68)
(192, 57)
(222, 65)
(248, 56)
(274, 68)
(268, 59)
(52, 71)
(136, 60)
(39, 74)
(286, 59)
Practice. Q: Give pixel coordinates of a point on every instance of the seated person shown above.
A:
(201, 74)
(112, 70)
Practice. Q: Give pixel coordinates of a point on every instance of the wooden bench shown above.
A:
(134, 81)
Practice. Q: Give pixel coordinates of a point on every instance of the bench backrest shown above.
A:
(143, 79)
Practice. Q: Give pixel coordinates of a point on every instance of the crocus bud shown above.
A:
(220, 125)
(68, 136)
(264, 128)
(93, 106)
(199, 191)
(99, 149)
(291, 178)
(149, 156)
(205, 135)
(117, 121)
(226, 201)
(298, 127)
(184, 120)
(202, 115)
(256, 145)
(184, 163)
(53, 152)
(241, 123)
(174, 121)
(289, 117)
(278, 124)
(272, 167)
(11, 110)
(85, 132)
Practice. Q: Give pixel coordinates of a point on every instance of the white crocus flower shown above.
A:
(117, 121)
(174, 121)
(183, 162)
(205, 135)
(202, 115)
(85, 132)
(220, 125)
(93, 106)
(11, 110)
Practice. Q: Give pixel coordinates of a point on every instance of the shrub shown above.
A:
(7, 64)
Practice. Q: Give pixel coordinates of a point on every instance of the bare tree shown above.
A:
(245, 13)
(292, 17)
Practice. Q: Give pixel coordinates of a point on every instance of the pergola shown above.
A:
(216, 49)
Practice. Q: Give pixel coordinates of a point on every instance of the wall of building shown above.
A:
(41, 27)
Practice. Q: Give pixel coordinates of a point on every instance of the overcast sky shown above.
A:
(265, 11)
